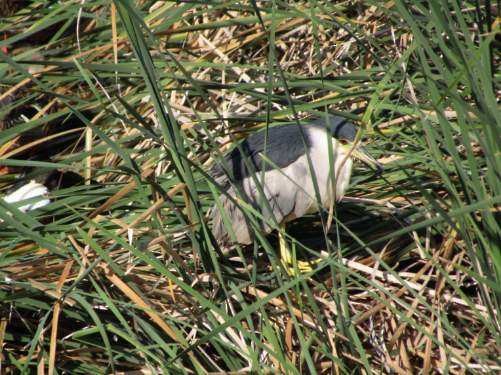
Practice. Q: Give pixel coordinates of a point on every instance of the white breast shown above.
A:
(341, 166)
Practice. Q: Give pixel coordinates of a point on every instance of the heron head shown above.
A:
(346, 135)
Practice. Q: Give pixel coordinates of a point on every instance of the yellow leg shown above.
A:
(285, 253)
(288, 258)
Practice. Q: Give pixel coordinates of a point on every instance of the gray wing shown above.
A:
(281, 145)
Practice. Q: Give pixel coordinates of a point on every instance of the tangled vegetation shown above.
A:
(128, 104)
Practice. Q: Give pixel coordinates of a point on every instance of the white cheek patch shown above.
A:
(31, 190)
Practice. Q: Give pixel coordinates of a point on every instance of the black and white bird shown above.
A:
(279, 172)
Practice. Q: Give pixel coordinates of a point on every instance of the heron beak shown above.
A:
(361, 154)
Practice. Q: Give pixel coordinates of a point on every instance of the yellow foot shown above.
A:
(299, 267)
(293, 266)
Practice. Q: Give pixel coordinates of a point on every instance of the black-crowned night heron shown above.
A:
(275, 165)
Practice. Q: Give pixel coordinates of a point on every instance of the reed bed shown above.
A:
(120, 273)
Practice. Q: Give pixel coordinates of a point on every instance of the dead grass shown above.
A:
(119, 274)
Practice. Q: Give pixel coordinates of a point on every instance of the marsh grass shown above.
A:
(121, 273)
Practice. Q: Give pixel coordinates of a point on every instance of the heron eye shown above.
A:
(343, 141)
